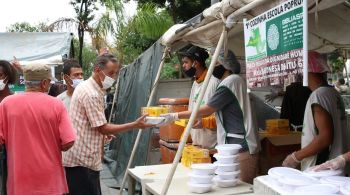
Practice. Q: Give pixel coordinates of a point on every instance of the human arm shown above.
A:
(108, 129)
(221, 98)
(324, 124)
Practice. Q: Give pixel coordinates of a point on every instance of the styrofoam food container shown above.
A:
(228, 149)
(345, 189)
(324, 173)
(154, 120)
(224, 159)
(317, 189)
(278, 172)
(228, 175)
(203, 169)
(336, 180)
(227, 167)
(199, 188)
(201, 179)
(292, 181)
(225, 183)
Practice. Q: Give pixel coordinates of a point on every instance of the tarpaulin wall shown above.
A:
(135, 85)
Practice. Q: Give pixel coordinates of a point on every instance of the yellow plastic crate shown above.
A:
(154, 111)
(273, 123)
(181, 122)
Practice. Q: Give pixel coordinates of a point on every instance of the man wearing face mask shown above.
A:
(194, 67)
(73, 76)
(35, 128)
(234, 118)
(83, 162)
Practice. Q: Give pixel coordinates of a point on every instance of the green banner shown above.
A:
(274, 45)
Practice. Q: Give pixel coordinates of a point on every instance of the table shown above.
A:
(268, 186)
(179, 186)
(146, 174)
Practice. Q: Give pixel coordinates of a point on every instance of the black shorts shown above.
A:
(83, 181)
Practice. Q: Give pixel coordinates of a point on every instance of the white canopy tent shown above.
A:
(46, 47)
(329, 25)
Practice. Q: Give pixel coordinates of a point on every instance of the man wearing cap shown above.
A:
(234, 118)
(194, 67)
(83, 162)
(35, 128)
(324, 131)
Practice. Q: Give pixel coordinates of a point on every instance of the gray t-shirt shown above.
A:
(233, 122)
(66, 99)
(330, 100)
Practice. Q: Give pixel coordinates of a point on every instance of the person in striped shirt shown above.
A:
(83, 162)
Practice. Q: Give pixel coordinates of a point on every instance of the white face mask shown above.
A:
(2, 84)
(76, 82)
(107, 82)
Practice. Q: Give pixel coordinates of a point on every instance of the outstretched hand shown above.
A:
(140, 123)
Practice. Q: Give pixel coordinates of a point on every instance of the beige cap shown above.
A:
(37, 72)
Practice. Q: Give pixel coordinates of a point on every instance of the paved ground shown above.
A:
(107, 181)
(108, 191)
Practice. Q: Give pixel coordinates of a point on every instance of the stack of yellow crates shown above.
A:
(277, 126)
(194, 155)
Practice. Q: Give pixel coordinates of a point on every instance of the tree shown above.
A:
(88, 57)
(26, 27)
(84, 10)
(180, 10)
(141, 31)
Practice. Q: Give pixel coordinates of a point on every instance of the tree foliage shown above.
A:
(141, 31)
(88, 56)
(84, 10)
(26, 27)
(180, 10)
(337, 61)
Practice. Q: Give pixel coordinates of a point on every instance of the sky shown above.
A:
(36, 11)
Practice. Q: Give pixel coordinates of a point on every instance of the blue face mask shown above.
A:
(76, 82)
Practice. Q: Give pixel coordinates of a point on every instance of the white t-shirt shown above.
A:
(206, 138)
(65, 98)
(330, 100)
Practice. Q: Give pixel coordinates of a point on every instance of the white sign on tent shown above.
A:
(274, 45)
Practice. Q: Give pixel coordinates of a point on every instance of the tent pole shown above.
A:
(114, 99)
(194, 113)
(305, 43)
(150, 99)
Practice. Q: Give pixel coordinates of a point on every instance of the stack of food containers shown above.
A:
(227, 165)
(201, 178)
